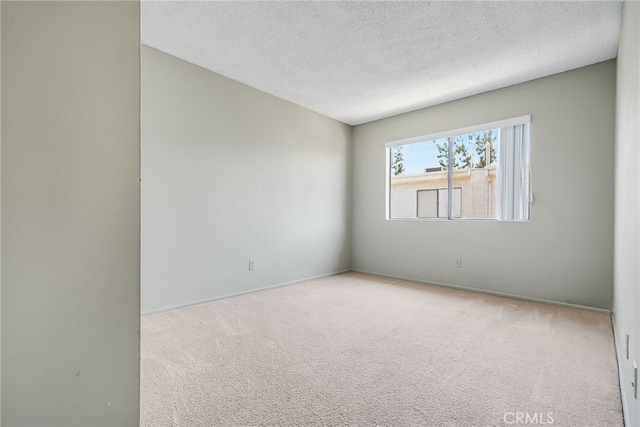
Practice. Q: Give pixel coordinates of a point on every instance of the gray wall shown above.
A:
(231, 174)
(70, 213)
(564, 254)
(627, 205)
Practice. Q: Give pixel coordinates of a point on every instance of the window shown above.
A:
(488, 177)
(434, 203)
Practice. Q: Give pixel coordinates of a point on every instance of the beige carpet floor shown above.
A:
(361, 350)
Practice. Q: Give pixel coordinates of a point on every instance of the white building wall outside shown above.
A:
(478, 187)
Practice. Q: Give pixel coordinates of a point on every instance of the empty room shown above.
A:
(319, 213)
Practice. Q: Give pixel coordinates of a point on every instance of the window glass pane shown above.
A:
(475, 164)
(456, 208)
(414, 170)
(443, 208)
(427, 203)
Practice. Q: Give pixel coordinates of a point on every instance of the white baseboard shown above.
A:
(410, 279)
(482, 291)
(204, 301)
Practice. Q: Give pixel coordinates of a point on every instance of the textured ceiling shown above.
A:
(361, 61)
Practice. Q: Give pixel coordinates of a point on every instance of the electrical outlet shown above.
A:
(458, 262)
(340, 255)
(252, 266)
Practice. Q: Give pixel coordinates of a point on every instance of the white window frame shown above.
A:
(498, 124)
